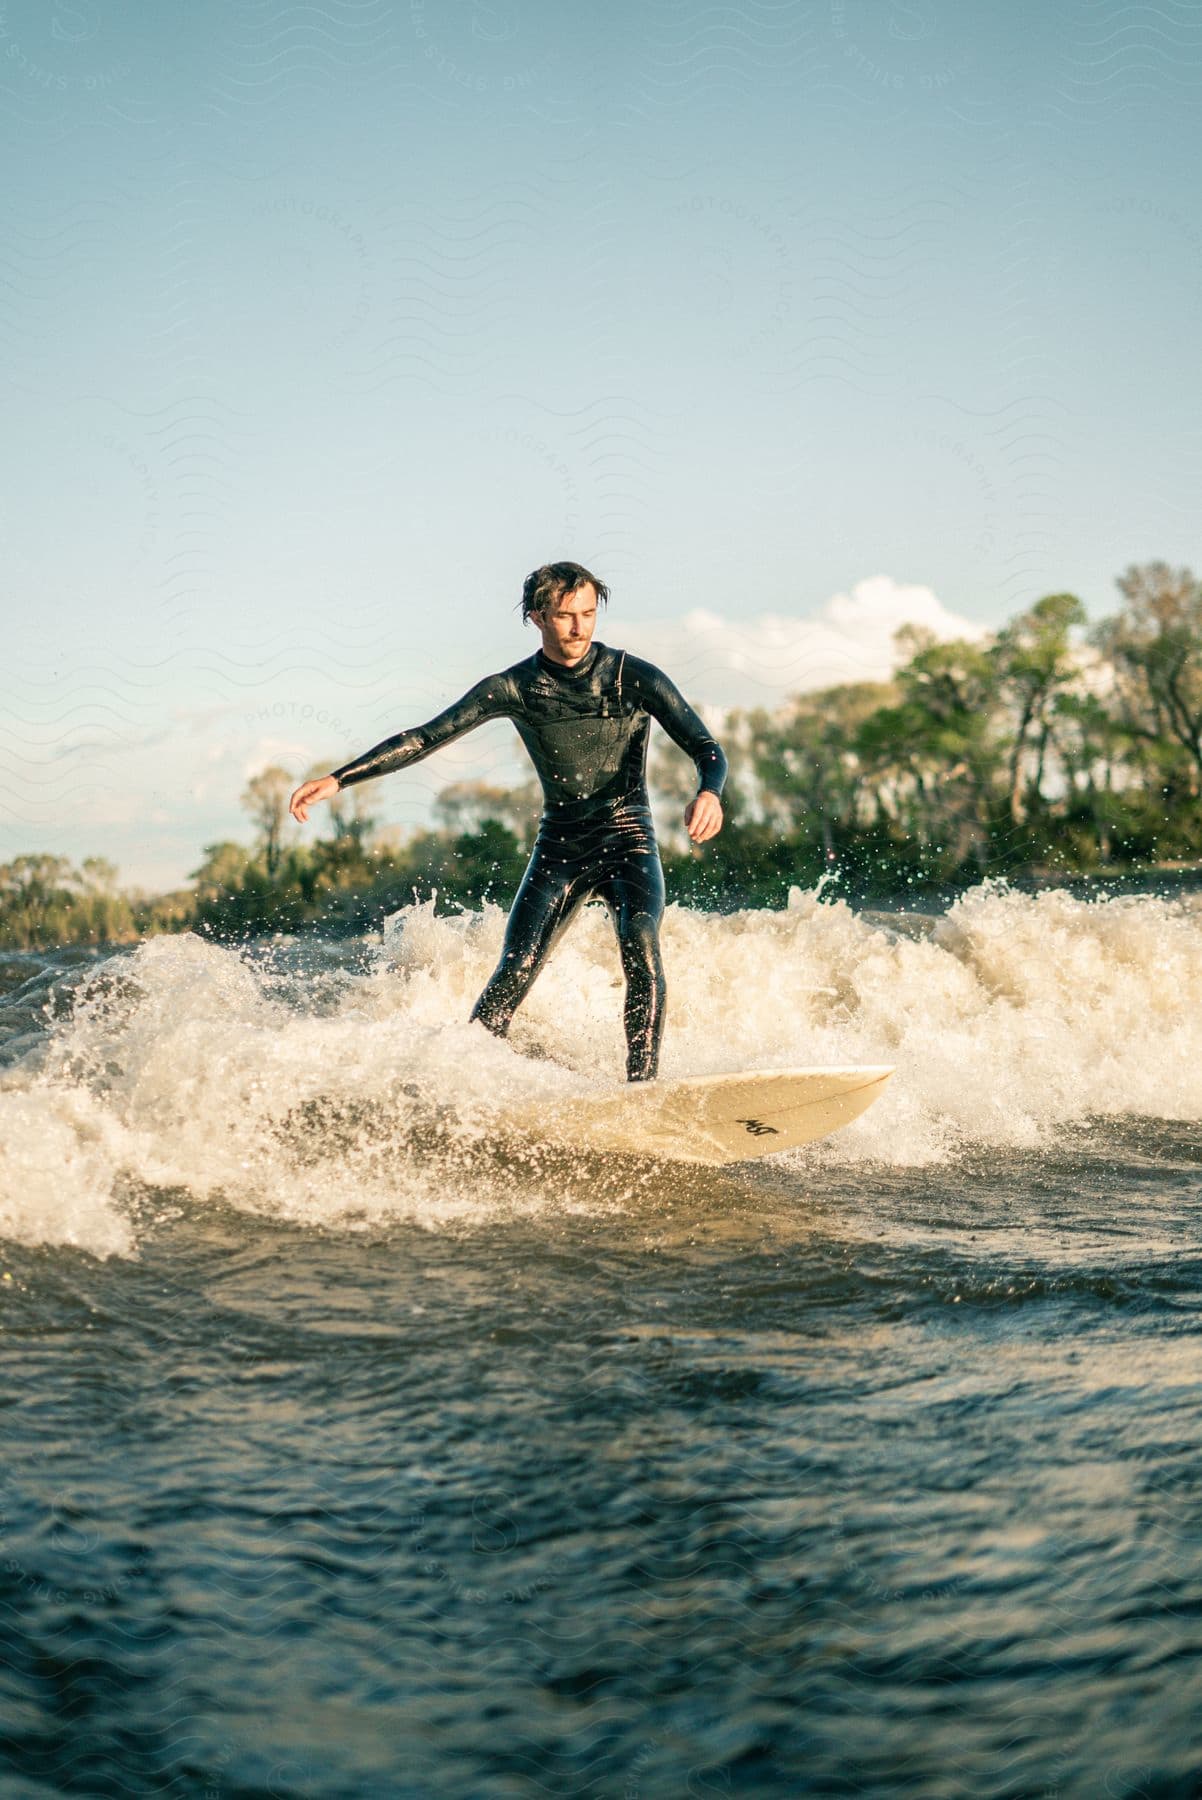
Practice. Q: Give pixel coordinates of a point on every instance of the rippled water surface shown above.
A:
(351, 1448)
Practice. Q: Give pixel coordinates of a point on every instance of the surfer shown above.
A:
(584, 713)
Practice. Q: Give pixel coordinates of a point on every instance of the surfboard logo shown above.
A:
(757, 1128)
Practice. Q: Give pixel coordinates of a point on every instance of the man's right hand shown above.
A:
(309, 792)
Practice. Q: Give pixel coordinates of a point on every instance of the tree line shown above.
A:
(1046, 747)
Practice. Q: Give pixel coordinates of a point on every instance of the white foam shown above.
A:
(58, 1166)
(190, 1065)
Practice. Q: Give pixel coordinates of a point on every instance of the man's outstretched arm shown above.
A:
(489, 699)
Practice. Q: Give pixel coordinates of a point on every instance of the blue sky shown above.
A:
(321, 325)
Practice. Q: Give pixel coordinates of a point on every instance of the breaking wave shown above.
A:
(341, 1086)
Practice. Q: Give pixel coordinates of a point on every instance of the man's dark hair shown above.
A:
(549, 584)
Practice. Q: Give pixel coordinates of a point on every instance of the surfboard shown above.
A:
(715, 1119)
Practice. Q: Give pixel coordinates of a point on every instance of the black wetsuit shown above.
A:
(586, 729)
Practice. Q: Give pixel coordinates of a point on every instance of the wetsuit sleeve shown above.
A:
(489, 699)
(669, 708)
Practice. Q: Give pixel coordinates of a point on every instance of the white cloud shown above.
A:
(290, 753)
(761, 660)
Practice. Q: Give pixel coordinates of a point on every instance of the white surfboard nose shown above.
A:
(722, 1118)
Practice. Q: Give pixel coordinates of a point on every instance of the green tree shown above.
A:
(1155, 646)
(1035, 663)
(45, 900)
(946, 732)
(223, 868)
(808, 770)
(467, 806)
(1091, 747)
(35, 896)
(99, 874)
(265, 798)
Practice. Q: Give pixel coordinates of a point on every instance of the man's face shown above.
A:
(567, 625)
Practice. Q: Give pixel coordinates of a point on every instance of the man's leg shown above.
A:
(546, 900)
(634, 894)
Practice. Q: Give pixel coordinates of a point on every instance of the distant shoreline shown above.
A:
(1170, 880)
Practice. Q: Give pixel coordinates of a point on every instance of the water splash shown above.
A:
(343, 1087)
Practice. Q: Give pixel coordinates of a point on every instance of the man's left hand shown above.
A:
(703, 817)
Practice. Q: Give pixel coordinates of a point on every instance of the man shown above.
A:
(583, 712)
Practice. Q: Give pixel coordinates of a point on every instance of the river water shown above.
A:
(352, 1447)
